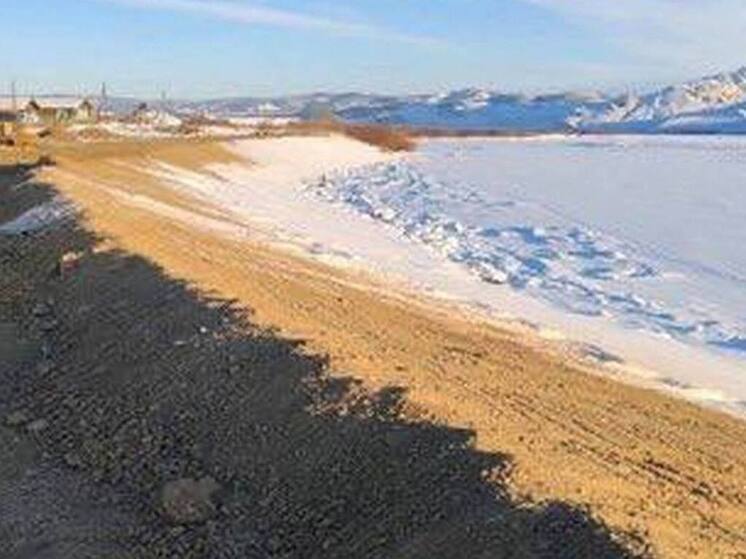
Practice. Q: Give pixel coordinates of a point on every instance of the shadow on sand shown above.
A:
(119, 379)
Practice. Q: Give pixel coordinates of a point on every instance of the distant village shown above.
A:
(42, 116)
(36, 113)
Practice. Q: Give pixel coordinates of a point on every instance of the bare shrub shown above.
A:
(388, 138)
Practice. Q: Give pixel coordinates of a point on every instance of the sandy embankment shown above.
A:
(664, 470)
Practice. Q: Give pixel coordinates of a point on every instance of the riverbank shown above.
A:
(466, 417)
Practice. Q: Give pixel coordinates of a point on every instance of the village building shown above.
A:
(52, 114)
(142, 114)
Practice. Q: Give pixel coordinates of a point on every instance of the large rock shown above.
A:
(187, 501)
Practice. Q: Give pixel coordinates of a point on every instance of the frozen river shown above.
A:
(613, 234)
(631, 250)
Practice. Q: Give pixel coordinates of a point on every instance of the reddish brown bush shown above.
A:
(388, 138)
(385, 137)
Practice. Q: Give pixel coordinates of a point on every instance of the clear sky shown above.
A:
(210, 48)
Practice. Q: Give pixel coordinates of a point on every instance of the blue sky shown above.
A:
(208, 48)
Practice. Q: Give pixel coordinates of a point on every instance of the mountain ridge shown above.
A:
(712, 104)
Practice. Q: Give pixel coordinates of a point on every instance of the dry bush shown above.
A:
(388, 138)
(187, 128)
(7, 156)
(267, 129)
(24, 148)
(199, 120)
(95, 134)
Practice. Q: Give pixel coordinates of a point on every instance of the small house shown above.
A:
(157, 118)
(142, 114)
(86, 111)
(56, 113)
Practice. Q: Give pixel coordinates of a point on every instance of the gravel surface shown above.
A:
(142, 418)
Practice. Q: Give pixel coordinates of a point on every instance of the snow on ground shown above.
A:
(257, 121)
(38, 217)
(630, 246)
(644, 233)
(606, 227)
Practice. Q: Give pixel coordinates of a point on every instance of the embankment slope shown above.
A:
(381, 428)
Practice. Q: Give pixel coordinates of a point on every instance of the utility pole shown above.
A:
(13, 102)
(14, 108)
(104, 100)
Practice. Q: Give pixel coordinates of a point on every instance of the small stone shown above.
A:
(16, 419)
(187, 501)
(274, 543)
(37, 425)
(73, 460)
(45, 367)
(41, 309)
(49, 324)
(69, 262)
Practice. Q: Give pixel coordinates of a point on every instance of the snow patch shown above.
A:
(582, 240)
(38, 217)
(596, 227)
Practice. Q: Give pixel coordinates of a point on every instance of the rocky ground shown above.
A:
(168, 392)
(142, 418)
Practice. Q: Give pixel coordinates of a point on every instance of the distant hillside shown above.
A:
(469, 109)
(714, 104)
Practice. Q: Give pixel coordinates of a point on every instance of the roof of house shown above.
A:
(6, 101)
(49, 102)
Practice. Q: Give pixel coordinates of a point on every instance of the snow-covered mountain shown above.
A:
(468, 109)
(477, 109)
(712, 104)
